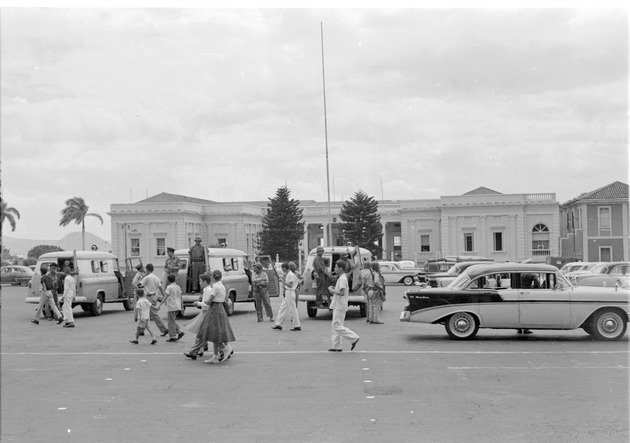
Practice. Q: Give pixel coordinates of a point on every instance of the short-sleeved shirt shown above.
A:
(261, 278)
(143, 306)
(151, 284)
(174, 300)
(340, 302)
(47, 282)
(218, 293)
(290, 277)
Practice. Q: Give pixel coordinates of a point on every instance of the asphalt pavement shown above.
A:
(405, 382)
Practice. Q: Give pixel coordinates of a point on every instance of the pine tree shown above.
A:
(361, 222)
(283, 227)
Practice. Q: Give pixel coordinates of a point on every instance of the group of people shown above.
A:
(52, 283)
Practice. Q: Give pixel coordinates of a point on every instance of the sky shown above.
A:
(117, 104)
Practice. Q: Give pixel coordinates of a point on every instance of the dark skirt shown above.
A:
(216, 326)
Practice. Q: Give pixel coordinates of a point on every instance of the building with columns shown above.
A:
(482, 222)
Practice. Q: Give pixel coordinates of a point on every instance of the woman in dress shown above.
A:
(217, 329)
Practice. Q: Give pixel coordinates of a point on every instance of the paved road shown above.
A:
(403, 383)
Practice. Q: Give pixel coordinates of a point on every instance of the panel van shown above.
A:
(231, 262)
(99, 279)
(355, 256)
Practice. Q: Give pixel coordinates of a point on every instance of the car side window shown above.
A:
(620, 270)
(95, 267)
(227, 265)
(235, 266)
(104, 267)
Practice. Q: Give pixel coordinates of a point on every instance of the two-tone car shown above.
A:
(394, 273)
(519, 296)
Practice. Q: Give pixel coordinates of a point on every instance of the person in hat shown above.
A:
(320, 275)
(172, 265)
(260, 284)
(197, 258)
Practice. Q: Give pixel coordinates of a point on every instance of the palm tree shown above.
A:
(76, 210)
(8, 213)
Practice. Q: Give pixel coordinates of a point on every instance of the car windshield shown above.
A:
(599, 269)
(460, 282)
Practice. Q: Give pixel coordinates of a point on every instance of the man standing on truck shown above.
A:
(171, 266)
(197, 258)
(320, 276)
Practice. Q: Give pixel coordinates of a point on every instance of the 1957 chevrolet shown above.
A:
(519, 296)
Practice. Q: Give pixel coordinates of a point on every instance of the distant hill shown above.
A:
(21, 246)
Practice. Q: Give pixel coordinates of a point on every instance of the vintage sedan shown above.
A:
(393, 273)
(16, 275)
(519, 296)
(603, 272)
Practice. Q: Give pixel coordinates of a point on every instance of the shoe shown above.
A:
(205, 348)
(35, 322)
(354, 343)
(334, 350)
(135, 342)
(297, 328)
(180, 335)
(527, 331)
(277, 327)
(60, 320)
(228, 351)
(172, 340)
(259, 320)
(154, 341)
(213, 360)
(200, 354)
(191, 355)
(69, 325)
(164, 333)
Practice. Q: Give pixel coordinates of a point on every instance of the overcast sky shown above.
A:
(113, 105)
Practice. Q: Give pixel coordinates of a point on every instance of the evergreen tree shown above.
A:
(361, 222)
(283, 227)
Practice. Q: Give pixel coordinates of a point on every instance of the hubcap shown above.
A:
(609, 325)
(461, 324)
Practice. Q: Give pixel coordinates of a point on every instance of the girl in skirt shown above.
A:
(216, 326)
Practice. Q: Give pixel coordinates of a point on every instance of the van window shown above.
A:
(104, 267)
(95, 267)
(227, 264)
(235, 265)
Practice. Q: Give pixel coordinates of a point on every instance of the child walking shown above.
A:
(173, 300)
(143, 313)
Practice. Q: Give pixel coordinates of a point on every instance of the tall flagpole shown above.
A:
(326, 139)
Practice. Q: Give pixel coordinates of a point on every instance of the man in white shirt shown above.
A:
(339, 306)
(151, 284)
(288, 302)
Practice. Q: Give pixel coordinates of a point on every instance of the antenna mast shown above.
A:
(326, 139)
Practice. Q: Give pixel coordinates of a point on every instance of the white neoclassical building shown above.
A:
(482, 222)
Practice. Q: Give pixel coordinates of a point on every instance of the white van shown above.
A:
(233, 265)
(99, 279)
(356, 257)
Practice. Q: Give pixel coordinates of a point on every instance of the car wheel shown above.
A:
(311, 310)
(462, 326)
(363, 310)
(608, 325)
(129, 304)
(85, 307)
(408, 281)
(96, 308)
(229, 305)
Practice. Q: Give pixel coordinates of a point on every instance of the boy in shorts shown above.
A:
(142, 311)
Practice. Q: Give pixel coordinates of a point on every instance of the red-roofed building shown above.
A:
(595, 225)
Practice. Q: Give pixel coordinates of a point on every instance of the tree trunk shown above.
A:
(83, 233)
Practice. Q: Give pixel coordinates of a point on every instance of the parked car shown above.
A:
(574, 266)
(16, 275)
(443, 279)
(618, 275)
(394, 273)
(531, 296)
(603, 272)
(435, 265)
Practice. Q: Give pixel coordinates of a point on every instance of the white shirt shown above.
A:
(290, 280)
(340, 302)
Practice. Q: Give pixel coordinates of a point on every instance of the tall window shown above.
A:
(540, 237)
(425, 245)
(497, 240)
(469, 242)
(397, 243)
(603, 219)
(135, 247)
(161, 246)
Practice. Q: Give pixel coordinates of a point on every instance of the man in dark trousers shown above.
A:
(197, 256)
